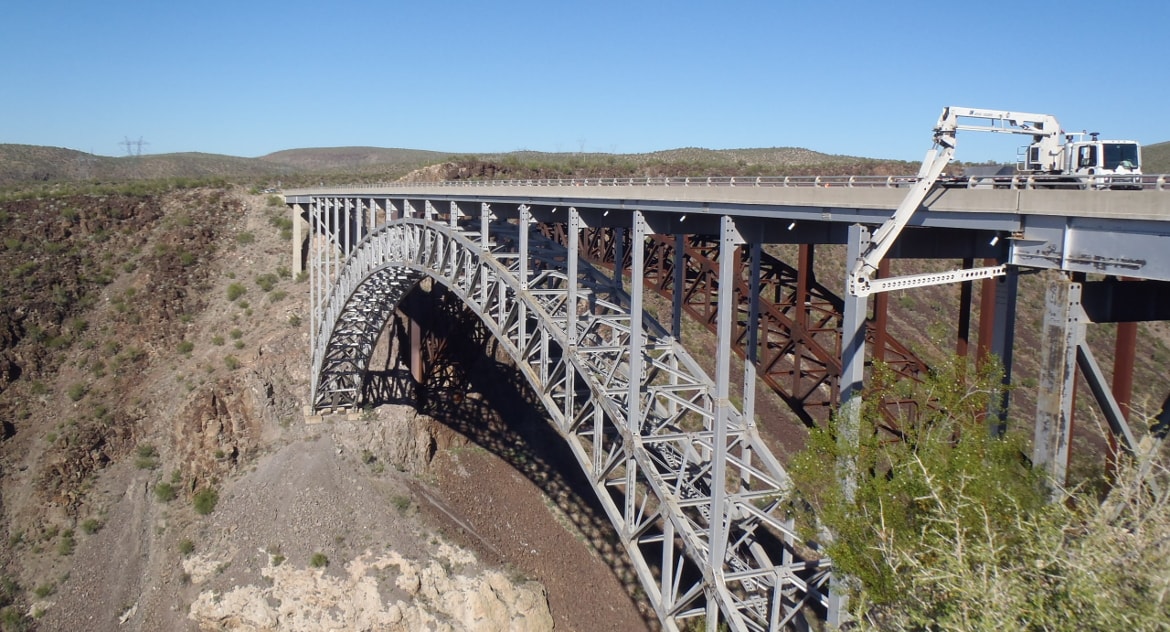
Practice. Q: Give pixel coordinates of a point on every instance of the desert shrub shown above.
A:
(951, 529)
(235, 291)
(91, 526)
(146, 457)
(186, 547)
(164, 492)
(318, 560)
(205, 501)
(67, 543)
(267, 281)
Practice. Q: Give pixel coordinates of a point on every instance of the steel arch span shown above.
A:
(692, 491)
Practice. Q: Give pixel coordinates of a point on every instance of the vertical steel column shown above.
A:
(348, 239)
(332, 266)
(881, 304)
(633, 372)
(453, 216)
(485, 218)
(573, 246)
(987, 309)
(966, 291)
(1123, 356)
(1063, 330)
(638, 234)
(852, 382)
(522, 273)
(751, 348)
(804, 274)
(296, 209)
(314, 300)
(619, 254)
(853, 336)
(1003, 341)
(729, 239)
(679, 271)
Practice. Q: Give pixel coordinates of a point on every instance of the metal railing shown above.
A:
(1157, 182)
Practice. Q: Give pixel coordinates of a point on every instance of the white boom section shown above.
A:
(1042, 127)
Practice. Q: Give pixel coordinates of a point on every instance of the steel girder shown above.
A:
(799, 320)
(652, 471)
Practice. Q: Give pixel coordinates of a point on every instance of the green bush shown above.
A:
(318, 560)
(186, 547)
(267, 281)
(146, 457)
(185, 347)
(76, 391)
(67, 543)
(235, 291)
(164, 492)
(205, 501)
(950, 528)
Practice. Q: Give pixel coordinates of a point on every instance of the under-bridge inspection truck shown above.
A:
(1053, 157)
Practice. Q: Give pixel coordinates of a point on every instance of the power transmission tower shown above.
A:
(134, 151)
(133, 147)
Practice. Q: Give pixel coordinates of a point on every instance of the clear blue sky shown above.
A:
(864, 78)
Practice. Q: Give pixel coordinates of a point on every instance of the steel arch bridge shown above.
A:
(694, 494)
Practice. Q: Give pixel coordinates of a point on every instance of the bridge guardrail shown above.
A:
(1154, 182)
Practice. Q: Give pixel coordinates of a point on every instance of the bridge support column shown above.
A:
(298, 212)
(852, 381)
(619, 254)
(751, 348)
(1061, 333)
(679, 271)
(1123, 356)
(729, 241)
(637, 274)
(1000, 309)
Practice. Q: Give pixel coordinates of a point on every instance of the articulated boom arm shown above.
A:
(1001, 122)
(1041, 126)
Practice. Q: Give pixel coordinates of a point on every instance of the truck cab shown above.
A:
(1105, 164)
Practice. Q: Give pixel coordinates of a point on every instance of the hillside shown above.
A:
(158, 473)
(361, 159)
(25, 164)
(1156, 158)
(29, 163)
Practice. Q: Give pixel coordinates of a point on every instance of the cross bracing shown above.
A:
(694, 494)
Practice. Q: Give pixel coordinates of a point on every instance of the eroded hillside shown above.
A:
(157, 472)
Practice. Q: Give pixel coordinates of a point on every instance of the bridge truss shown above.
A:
(696, 497)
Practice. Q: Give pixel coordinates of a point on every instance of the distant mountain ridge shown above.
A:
(34, 163)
